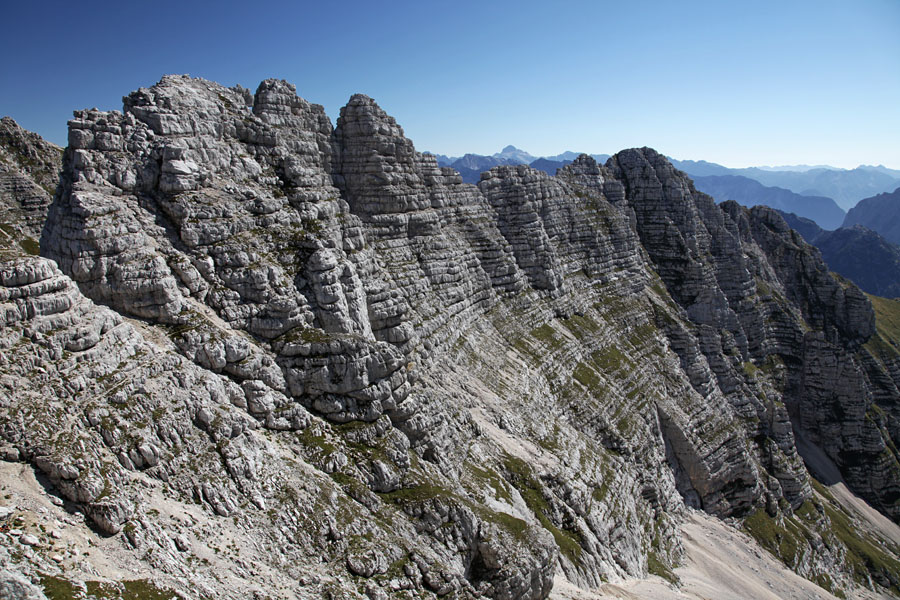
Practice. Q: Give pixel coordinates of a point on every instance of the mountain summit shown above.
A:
(514, 154)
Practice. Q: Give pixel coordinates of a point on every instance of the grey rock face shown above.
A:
(861, 255)
(519, 195)
(92, 359)
(773, 287)
(29, 171)
(338, 349)
(30, 155)
(15, 587)
(25, 201)
(178, 234)
(841, 311)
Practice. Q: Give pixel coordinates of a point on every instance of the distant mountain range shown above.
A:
(882, 169)
(549, 166)
(444, 160)
(845, 186)
(471, 166)
(749, 192)
(512, 155)
(880, 213)
(832, 191)
(857, 253)
(799, 168)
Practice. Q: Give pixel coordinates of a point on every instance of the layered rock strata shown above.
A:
(408, 384)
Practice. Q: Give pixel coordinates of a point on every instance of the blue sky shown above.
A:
(786, 82)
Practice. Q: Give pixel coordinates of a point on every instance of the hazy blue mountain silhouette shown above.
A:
(845, 186)
(749, 192)
(471, 166)
(549, 166)
(880, 213)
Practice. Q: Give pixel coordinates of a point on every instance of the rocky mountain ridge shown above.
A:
(328, 344)
(857, 253)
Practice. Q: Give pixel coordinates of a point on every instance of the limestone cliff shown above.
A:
(315, 339)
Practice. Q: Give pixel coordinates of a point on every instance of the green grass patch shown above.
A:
(136, 589)
(657, 567)
(57, 588)
(342, 478)
(416, 494)
(587, 376)
(516, 527)
(610, 359)
(887, 317)
(313, 440)
(309, 335)
(581, 326)
(880, 347)
(642, 333)
(351, 486)
(659, 287)
(887, 325)
(569, 542)
(546, 335)
(351, 426)
(30, 246)
(822, 490)
(524, 480)
(824, 581)
(786, 539)
(863, 555)
(492, 479)
(807, 512)
(599, 494)
(142, 589)
(750, 370)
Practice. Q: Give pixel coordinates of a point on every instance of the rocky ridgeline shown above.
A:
(407, 384)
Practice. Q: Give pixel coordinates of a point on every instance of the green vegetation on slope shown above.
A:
(58, 588)
(885, 344)
(789, 539)
(887, 318)
(524, 480)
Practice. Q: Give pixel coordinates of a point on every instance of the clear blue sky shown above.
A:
(752, 83)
